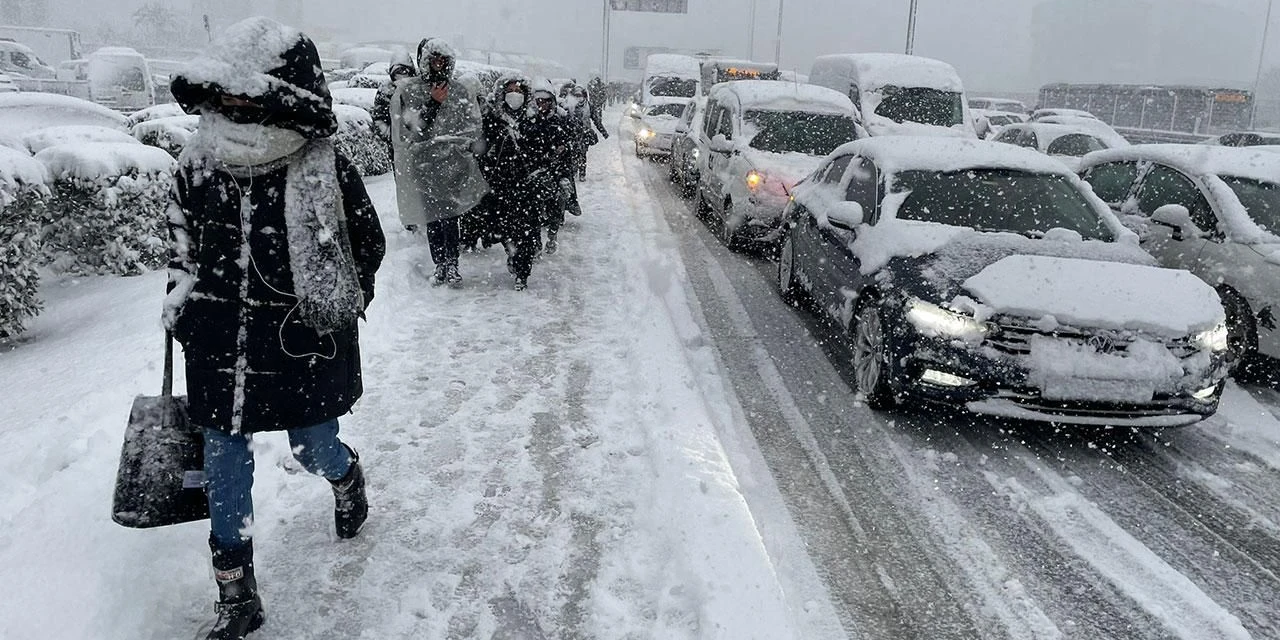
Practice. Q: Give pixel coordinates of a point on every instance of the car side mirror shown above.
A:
(682, 128)
(721, 144)
(1178, 218)
(635, 115)
(845, 215)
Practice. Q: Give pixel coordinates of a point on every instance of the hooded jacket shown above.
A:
(252, 364)
(437, 174)
(401, 67)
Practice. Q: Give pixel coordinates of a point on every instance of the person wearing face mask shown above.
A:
(401, 67)
(513, 164)
(274, 245)
(435, 127)
(550, 137)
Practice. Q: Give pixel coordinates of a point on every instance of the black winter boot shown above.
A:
(239, 607)
(350, 505)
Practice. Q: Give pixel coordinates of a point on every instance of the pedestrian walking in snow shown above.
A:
(435, 124)
(274, 246)
(549, 131)
(401, 67)
(514, 164)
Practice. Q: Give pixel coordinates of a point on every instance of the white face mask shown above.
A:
(246, 145)
(515, 100)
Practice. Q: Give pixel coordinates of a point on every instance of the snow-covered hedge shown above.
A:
(358, 141)
(42, 139)
(362, 98)
(167, 110)
(107, 211)
(23, 193)
(170, 134)
(367, 81)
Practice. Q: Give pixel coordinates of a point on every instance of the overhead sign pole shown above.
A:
(1257, 78)
(777, 44)
(751, 33)
(911, 28)
(604, 54)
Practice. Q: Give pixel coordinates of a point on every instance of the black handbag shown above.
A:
(160, 481)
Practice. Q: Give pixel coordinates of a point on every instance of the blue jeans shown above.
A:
(228, 469)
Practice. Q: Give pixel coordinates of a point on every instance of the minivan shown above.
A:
(897, 94)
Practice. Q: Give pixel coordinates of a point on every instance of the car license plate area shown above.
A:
(1097, 390)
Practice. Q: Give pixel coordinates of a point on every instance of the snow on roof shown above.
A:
(1078, 113)
(660, 64)
(873, 71)
(22, 112)
(362, 98)
(783, 96)
(907, 153)
(1241, 162)
(1047, 132)
(18, 170)
(42, 139)
(96, 160)
(1094, 126)
(116, 52)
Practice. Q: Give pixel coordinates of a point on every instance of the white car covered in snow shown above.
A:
(988, 123)
(895, 94)
(990, 277)
(657, 128)
(998, 104)
(1065, 143)
(1094, 126)
(759, 138)
(21, 113)
(1214, 211)
(1041, 114)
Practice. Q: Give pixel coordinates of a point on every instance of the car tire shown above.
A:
(638, 150)
(1242, 337)
(871, 350)
(672, 176)
(687, 189)
(727, 233)
(788, 286)
(703, 209)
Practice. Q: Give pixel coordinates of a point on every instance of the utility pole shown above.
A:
(751, 33)
(911, 28)
(777, 44)
(604, 53)
(1257, 78)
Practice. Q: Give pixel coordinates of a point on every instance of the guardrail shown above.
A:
(1155, 136)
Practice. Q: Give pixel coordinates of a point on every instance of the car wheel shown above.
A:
(703, 209)
(1242, 336)
(871, 359)
(687, 189)
(727, 233)
(672, 176)
(787, 285)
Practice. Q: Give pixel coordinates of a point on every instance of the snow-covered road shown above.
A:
(645, 444)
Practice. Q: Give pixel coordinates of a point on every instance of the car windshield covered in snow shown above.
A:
(674, 110)
(997, 200)
(673, 87)
(801, 132)
(1260, 199)
(922, 105)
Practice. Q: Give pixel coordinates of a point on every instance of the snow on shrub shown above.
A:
(366, 81)
(23, 193)
(168, 110)
(362, 98)
(169, 134)
(107, 212)
(357, 140)
(42, 139)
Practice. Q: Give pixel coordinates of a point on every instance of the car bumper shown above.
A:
(657, 145)
(968, 377)
(761, 219)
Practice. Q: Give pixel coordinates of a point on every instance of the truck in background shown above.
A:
(53, 46)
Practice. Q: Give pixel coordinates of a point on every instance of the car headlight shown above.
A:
(1214, 339)
(645, 134)
(695, 153)
(935, 322)
(754, 179)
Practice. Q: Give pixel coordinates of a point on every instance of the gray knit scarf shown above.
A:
(325, 280)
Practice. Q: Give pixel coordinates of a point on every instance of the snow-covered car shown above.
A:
(759, 138)
(25, 111)
(1245, 139)
(362, 98)
(988, 123)
(170, 134)
(19, 59)
(998, 104)
(120, 78)
(1040, 114)
(6, 84)
(1214, 211)
(988, 276)
(43, 138)
(657, 128)
(683, 166)
(1094, 126)
(1065, 143)
(168, 110)
(895, 94)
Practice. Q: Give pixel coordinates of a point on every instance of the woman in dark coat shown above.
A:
(274, 248)
(512, 164)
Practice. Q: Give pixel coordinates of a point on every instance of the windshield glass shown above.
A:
(1260, 199)
(673, 87)
(925, 106)
(667, 110)
(1029, 204)
(797, 131)
(1075, 144)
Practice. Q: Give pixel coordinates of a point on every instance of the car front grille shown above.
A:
(1015, 339)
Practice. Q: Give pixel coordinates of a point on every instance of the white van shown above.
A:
(670, 77)
(898, 94)
(120, 78)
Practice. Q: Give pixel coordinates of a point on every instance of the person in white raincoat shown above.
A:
(435, 123)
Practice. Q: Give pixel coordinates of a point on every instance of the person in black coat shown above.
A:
(515, 158)
(274, 249)
(401, 67)
(550, 132)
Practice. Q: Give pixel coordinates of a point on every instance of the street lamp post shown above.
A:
(777, 44)
(911, 28)
(751, 33)
(604, 54)
(1257, 78)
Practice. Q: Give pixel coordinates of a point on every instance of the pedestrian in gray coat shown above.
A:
(435, 124)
